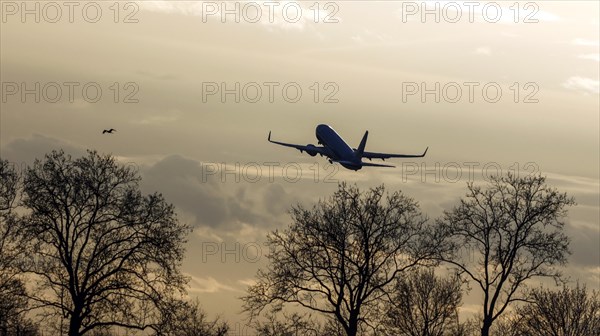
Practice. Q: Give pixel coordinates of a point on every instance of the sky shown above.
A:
(193, 89)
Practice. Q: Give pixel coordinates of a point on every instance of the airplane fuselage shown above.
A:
(340, 150)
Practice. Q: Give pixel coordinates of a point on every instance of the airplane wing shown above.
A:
(372, 155)
(311, 149)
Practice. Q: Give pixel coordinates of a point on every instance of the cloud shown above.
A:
(209, 285)
(593, 57)
(368, 36)
(169, 116)
(585, 42)
(284, 15)
(542, 16)
(275, 199)
(157, 76)
(587, 85)
(213, 195)
(174, 7)
(186, 183)
(487, 51)
(584, 244)
(490, 12)
(26, 150)
(247, 282)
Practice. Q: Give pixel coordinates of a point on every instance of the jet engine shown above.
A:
(311, 152)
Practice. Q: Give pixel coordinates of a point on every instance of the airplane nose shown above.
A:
(321, 127)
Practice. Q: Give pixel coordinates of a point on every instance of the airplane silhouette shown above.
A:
(109, 131)
(337, 150)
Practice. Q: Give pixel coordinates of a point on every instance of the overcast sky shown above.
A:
(488, 86)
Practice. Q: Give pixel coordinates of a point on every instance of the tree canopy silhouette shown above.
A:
(567, 312)
(13, 300)
(102, 253)
(187, 318)
(340, 257)
(424, 304)
(512, 231)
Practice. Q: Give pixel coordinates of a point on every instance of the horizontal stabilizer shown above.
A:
(362, 164)
(370, 164)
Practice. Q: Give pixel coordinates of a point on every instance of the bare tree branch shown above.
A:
(516, 228)
(340, 257)
(103, 253)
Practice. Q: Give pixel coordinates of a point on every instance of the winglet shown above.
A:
(425, 152)
(269, 138)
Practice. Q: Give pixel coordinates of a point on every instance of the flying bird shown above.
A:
(109, 131)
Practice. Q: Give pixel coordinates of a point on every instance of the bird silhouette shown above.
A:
(109, 131)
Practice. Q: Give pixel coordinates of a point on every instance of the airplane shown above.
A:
(337, 150)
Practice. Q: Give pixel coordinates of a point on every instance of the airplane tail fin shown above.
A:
(361, 147)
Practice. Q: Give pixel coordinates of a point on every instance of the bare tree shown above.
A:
(513, 232)
(13, 295)
(103, 254)
(569, 312)
(187, 318)
(292, 324)
(8, 186)
(424, 305)
(340, 257)
(9, 247)
(13, 308)
(296, 324)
